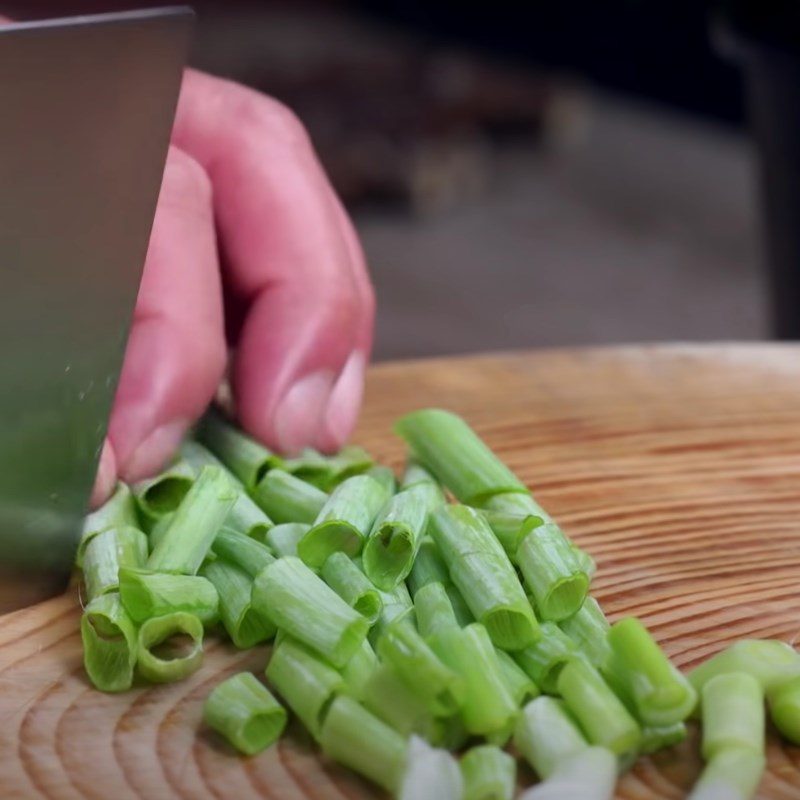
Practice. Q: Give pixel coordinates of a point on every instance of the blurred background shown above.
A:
(542, 173)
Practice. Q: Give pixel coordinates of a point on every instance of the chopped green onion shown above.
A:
(241, 550)
(245, 627)
(733, 774)
(480, 569)
(589, 775)
(385, 477)
(433, 609)
(396, 533)
(156, 497)
(289, 594)
(165, 635)
(246, 458)
(344, 521)
(158, 529)
(453, 452)
(353, 736)
(784, 708)
(327, 472)
(518, 683)
(437, 684)
(600, 713)
(244, 711)
(588, 628)
(189, 536)
(285, 498)
(489, 773)
(358, 670)
(397, 607)
(547, 735)
(283, 538)
(415, 474)
(519, 504)
(585, 562)
(550, 569)
(429, 567)
(733, 714)
(352, 585)
(106, 553)
(543, 660)
(659, 693)
(510, 529)
(430, 774)
(304, 681)
(109, 643)
(119, 511)
(148, 594)
(658, 737)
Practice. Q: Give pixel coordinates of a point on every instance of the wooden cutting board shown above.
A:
(677, 467)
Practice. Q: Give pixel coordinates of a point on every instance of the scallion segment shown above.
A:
(430, 774)
(352, 585)
(784, 708)
(656, 738)
(543, 660)
(385, 477)
(119, 511)
(510, 529)
(429, 567)
(590, 774)
(327, 472)
(147, 594)
(170, 647)
(433, 610)
(489, 773)
(106, 553)
(285, 498)
(588, 628)
(518, 683)
(241, 550)
(733, 774)
(733, 714)
(283, 538)
(244, 711)
(359, 669)
(109, 643)
(396, 607)
(161, 495)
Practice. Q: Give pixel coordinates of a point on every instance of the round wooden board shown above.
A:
(677, 467)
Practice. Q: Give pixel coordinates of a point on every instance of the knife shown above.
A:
(86, 109)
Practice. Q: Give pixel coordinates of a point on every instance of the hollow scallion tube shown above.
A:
(161, 495)
(588, 628)
(456, 455)
(385, 477)
(519, 504)
(510, 529)
(586, 563)
(430, 774)
(480, 568)
(358, 670)
(158, 529)
(517, 681)
(396, 607)
(733, 714)
(189, 536)
(244, 711)
(283, 538)
(543, 660)
(660, 694)
(106, 553)
(656, 738)
(784, 708)
(352, 585)
(327, 472)
(589, 775)
(392, 544)
(429, 567)
(241, 550)
(119, 511)
(147, 594)
(344, 521)
(489, 773)
(356, 738)
(244, 625)
(733, 774)
(546, 735)
(285, 498)
(289, 594)
(109, 643)
(415, 474)
(600, 713)
(246, 458)
(433, 610)
(156, 635)
(306, 682)
(552, 572)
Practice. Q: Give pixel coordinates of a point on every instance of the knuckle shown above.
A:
(260, 115)
(185, 177)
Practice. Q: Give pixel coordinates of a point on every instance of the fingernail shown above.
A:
(298, 417)
(345, 403)
(154, 451)
(106, 477)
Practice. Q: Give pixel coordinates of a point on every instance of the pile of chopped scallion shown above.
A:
(404, 626)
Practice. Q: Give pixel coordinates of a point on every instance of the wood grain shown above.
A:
(677, 467)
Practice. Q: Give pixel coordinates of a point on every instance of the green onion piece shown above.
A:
(327, 472)
(393, 542)
(489, 773)
(488, 706)
(589, 775)
(439, 686)
(246, 458)
(146, 594)
(119, 511)
(109, 643)
(660, 694)
(551, 570)
(106, 553)
(543, 661)
(769, 661)
(600, 713)
(585, 562)
(510, 529)
(517, 681)
(733, 774)
(283, 538)
(480, 569)
(358, 670)
(241, 550)
(415, 474)
(245, 627)
(244, 711)
(397, 607)
(588, 628)
(733, 714)
(353, 736)
(516, 504)
(385, 477)
(433, 609)
(195, 525)
(344, 521)
(304, 681)
(352, 585)
(453, 452)
(429, 567)
(285, 498)
(156, 497)
(784, 708)
(430, 774)
(658, 737)
(547, 735)
(289, 594)
(163, 655)
(158, 529)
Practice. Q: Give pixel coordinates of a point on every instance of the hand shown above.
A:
(245, 210)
